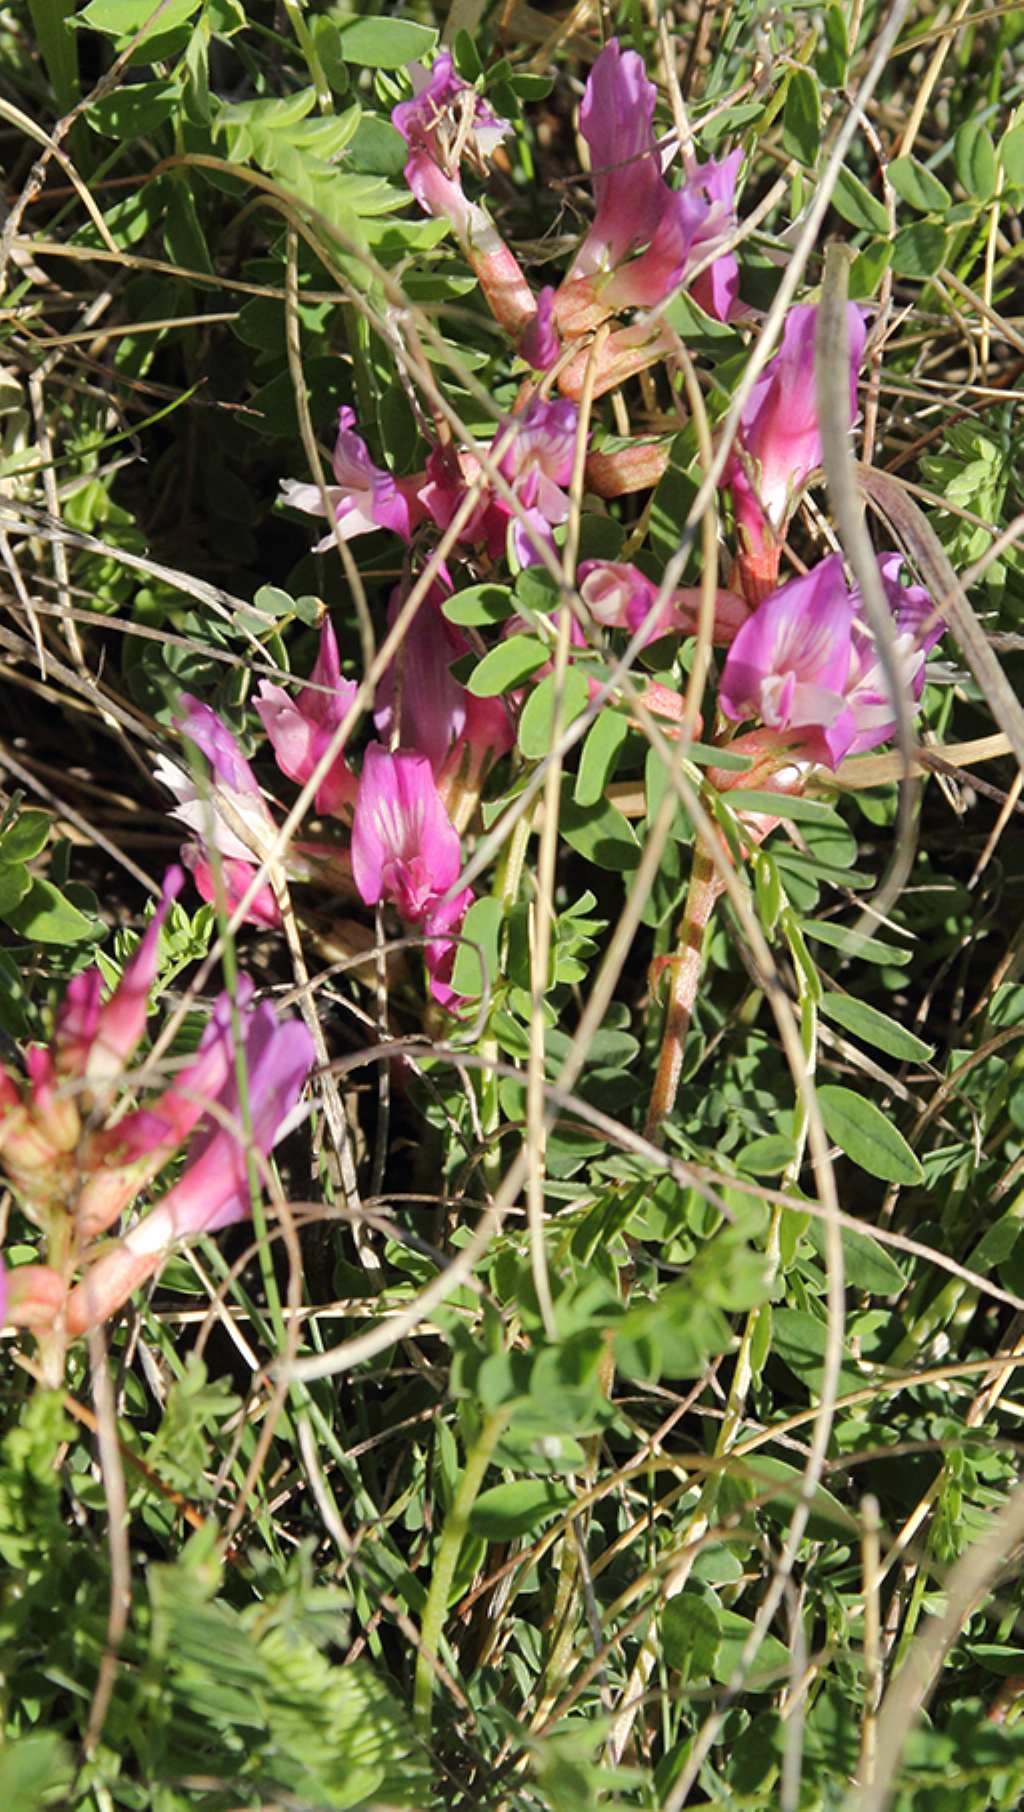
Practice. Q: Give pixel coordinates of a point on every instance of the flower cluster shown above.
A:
(801, 683)
(647, 238)
(801, 664)
(76, 1163)
(519, 485)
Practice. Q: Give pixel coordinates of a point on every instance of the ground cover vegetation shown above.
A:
(511, 1094)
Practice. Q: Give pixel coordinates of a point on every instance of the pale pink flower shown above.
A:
(232, 787)
(363, 496)
(534, 451)
(619, 596)
(918, 627)
(445, 121)
(301, 728)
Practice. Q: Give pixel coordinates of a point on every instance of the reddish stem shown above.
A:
(685, 971)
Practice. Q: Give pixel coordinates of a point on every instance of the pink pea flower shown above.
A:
(94, 1040)
(715, 289)
(405, 848)
(438, 715)
(645, 237)
(363, 497)
(539, 448)
(918, 627)
(619, 596)
(617, 122)
(301, 728)
(233, 786)
(534, 451)
(213, 1190)
(120, 1160)
(445, 121)
(41, 1123)
(779, 432)
(539, 344)
(789, 663)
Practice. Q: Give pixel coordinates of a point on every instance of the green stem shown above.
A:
(307, 45)
(743, 1373)
(449, 1548)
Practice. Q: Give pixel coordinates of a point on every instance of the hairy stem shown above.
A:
(685, 970)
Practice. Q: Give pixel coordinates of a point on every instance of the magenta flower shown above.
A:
(788, 665)
(539, 343)
(301, 728)
(214, 1189)
(120, 1160)
(363, 497)
(715, 289)
(534, 451)
(405, 849)
(437, 716)
(646, 237)
(630, 193)
(779, 433)
(806, 662)
(445, 119)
